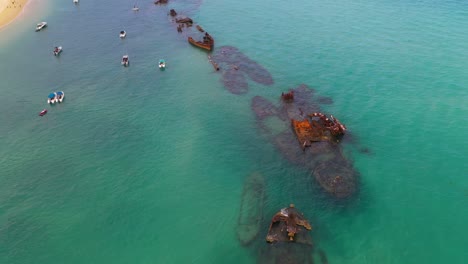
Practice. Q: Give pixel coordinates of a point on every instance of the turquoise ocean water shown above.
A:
(143, 166)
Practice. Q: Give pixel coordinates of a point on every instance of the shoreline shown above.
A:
(10, 10)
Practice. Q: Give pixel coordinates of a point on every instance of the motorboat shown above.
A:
(162, 64)
(40, 26)
(123, 34)
(52, 98)
(75, 1)
(43, 112)
(135, 8)
(125, 61)
(60, 96)
(57, 50)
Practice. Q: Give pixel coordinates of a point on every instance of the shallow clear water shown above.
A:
(143, 166)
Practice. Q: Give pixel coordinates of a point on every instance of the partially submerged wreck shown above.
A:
(289, 239)
(317, 127)
(207, 43)
(317, 134)
(251, 210)
(289, 225)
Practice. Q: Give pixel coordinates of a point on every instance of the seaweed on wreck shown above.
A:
(236, 68)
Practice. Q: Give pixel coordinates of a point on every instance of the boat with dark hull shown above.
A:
(207, 43)
(57, 50)
(251, 210)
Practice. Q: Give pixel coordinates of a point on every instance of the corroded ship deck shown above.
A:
(289, 225)
(317, 127)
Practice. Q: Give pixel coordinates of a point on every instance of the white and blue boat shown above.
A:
(60, 96)
(52, 98)
(162, 64)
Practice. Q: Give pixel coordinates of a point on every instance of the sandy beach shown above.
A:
(9, 10)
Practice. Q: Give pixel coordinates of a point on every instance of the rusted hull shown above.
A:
(201, 45)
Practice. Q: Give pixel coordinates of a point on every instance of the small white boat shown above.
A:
(75, 1)
(135, 8)
(125, 61)
(123, 34)
(52, 98)
(162, 64)
(60, 96)
(41, 25)
(57, 50)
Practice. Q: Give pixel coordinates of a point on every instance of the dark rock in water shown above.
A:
(325, 160)
(160, 2)
(231, 59)
(172, 12)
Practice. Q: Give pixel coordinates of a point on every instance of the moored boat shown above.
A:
(123, 34)
(60, 96)
(162, 64)
(125, 61)
(135, 8)
(43, 112)
(52, 98)
(75, 1)
(41, 25)
(207, 43)
(57, 50)
(251, 210)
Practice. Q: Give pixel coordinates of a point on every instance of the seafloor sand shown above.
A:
(9, 10)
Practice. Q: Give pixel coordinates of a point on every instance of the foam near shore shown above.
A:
(9, 10)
